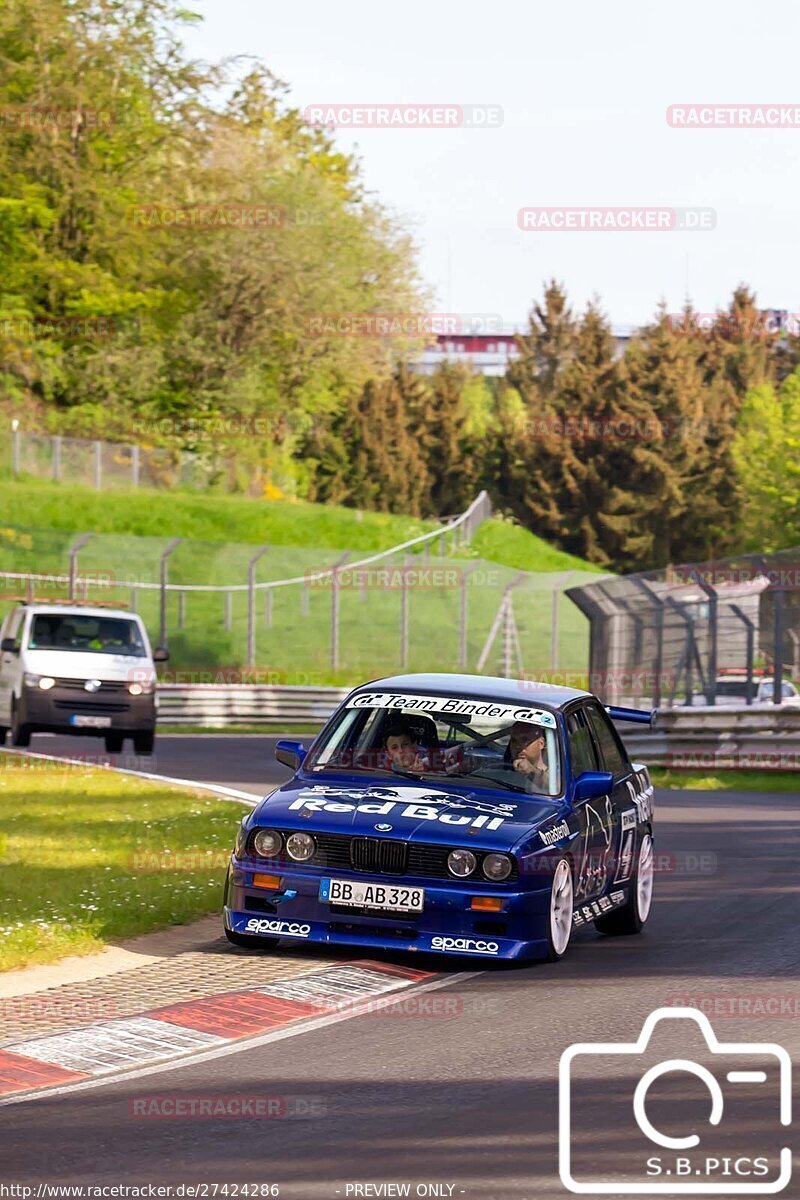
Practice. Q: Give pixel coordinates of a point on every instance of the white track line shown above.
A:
(189, 1059)
(226, 793)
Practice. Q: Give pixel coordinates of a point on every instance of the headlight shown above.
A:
(141, 689)
(461, 863)
(45, 682)
(497, 867)
(267, 843)
(300, 846)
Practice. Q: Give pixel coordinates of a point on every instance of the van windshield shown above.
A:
(86, 634)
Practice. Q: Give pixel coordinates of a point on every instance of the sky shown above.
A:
(584, 90)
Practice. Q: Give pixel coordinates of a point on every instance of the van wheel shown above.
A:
(3, 732)
(20, 733)
(113, 743)
(143, 742)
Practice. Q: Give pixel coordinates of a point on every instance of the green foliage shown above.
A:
(766, 453)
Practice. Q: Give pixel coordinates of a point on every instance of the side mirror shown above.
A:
(160, 654)
(9, 646)
(291, 754)
(592, 784)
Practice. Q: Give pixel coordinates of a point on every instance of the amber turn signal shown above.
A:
(487, 903)
(267, 881)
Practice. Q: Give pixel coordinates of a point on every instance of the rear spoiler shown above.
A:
(642, 716)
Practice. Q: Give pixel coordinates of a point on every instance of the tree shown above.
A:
(766, 453)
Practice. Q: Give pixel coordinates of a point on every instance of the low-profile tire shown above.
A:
(631, 918)
(113, 742)
(20, 732)
(559, 913)
(249, 942)
(143, 743)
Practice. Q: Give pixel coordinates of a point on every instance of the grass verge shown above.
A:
(89, 856)
(722, 781)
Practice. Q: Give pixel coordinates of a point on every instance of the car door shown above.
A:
(622, 810)
(9, 664)
(595, 817)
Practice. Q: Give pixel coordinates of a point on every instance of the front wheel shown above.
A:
(113, 743)
(559, 920)
(143, 743)
(248, 942)
(636, 909)
(20, 732)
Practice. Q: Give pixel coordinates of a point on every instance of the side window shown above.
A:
(611, 753)
(581, 747)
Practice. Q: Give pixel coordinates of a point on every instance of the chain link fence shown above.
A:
(285, 614)
(721, 632)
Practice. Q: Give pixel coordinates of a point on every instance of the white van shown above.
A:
(74, 668)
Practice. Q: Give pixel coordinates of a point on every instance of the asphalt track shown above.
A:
(465, 1096)
(245, 762)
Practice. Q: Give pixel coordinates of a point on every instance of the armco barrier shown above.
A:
(743, 737)
(246, 704)
(735, 737)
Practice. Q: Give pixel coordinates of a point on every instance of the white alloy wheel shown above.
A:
(561, 904)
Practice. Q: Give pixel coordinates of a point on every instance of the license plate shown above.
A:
(386, 896)
(84, 722)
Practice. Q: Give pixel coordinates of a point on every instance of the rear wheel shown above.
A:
(143, 743)
(20, 732)
(113, 742)
(559, 921)
(249, 942)
(632, 916)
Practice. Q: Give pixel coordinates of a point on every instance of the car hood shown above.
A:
(430, 812)
(84, 664)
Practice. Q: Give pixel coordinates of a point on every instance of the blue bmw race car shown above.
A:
(459, 814)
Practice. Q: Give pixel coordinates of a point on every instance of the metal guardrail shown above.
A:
(221, 705)
(735, 738)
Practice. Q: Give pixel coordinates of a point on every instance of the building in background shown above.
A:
(487, 351)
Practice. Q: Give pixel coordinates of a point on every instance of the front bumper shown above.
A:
(50, 711)
(447, 924)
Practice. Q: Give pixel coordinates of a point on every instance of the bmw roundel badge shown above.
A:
(383, 828)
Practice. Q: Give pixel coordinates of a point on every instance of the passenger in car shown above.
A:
(402, 749)
(525, 753)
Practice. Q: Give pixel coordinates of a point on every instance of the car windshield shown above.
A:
(513, 747)
(86, 634)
